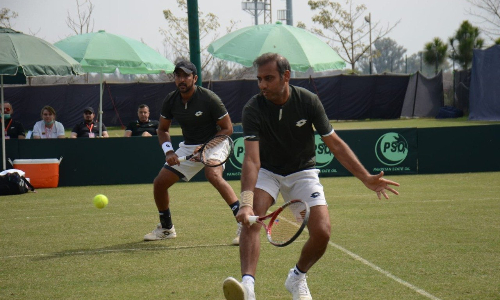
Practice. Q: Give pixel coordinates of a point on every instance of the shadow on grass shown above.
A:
(123, 248)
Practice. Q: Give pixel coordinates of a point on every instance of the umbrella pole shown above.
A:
(3, 125)
(100, 104)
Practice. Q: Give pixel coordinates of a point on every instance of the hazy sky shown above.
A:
(421, 20)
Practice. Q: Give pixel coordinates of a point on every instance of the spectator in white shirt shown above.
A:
(48, 127)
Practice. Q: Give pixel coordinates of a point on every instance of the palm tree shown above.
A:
(435, 53)
(467, 37)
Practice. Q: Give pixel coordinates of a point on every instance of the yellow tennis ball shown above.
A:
(100, 201)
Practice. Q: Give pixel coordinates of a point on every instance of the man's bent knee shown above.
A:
(321, 236)
(165, 179)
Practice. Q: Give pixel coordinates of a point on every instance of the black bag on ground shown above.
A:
(13, 184)
(446, 112)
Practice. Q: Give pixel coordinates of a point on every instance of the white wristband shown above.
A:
(167, 146)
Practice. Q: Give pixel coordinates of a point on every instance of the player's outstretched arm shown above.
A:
(348, 159)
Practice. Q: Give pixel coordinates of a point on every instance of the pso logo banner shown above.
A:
(396, 152)
(233, 166)
(324, 158)
(391, 149)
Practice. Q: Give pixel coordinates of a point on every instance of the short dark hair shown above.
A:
(143, 106)
(281, 62)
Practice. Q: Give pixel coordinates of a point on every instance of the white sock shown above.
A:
(248, 279)
(297, 272)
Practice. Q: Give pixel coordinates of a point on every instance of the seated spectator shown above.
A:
(13, 129)
(48, 127)
(143, 126)
(88, 128)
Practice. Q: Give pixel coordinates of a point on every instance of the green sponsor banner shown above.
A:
(393, 151)
(233, 165)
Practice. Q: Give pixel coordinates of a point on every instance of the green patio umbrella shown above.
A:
(31, 56)
(302, 49)
(103, 52)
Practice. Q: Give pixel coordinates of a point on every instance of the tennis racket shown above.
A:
(215, 152)
(285, 224)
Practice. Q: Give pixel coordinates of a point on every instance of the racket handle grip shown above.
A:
(184, 158)
(252, 219)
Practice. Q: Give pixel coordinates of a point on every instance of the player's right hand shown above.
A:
(172, 159)
(243, 214)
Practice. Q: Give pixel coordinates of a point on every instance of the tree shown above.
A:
(497, 41)
(416, 63)
(84, 21)
(410, 64)
(465, 39)
(435, 53)
(488, 11)
(177, 35)
(389, 56)
(176, 39)
(6, 15)
(345, 27)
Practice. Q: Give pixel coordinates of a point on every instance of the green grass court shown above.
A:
(438, 240)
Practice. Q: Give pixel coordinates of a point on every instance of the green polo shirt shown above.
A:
(198, 117)
(285, 132)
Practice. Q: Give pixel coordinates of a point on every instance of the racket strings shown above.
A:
(287, 223)
(216, 151)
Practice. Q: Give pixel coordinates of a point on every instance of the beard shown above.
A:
(274, 96)
(184, 87)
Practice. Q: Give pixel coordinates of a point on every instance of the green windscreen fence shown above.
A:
(394, 151)
(391, 151)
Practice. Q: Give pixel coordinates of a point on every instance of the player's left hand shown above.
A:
(381, 185)
(197, 156)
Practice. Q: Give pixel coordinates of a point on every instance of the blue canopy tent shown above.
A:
(484, 96)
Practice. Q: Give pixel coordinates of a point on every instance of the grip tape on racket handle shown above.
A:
(184, 158)
(252, 219)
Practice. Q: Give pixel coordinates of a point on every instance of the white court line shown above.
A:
(353, 255)
(48, 217)
(379, 269)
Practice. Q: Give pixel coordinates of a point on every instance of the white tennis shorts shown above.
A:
(187, 168)
(303, 185)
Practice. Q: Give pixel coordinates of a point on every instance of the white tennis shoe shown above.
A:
(236, 240)
(160, 233)
(297, 285)
(234, 290)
